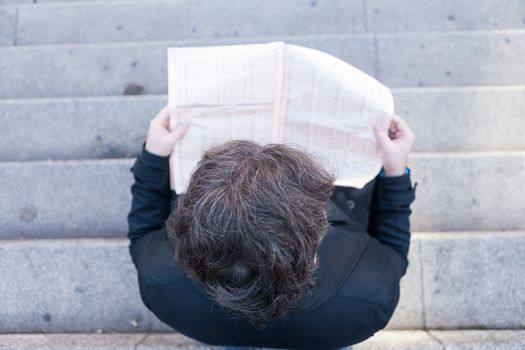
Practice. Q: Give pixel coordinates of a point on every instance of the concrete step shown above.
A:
(445, 340)
(450, 59)
(71, 21)
(382, 340)
(108, 69)
(39, 2)
(464, 118)
(98, 127)
(398, 60)
(7, 25)
(91, 198)
(441, 15)
(94, 285)
(444, 120)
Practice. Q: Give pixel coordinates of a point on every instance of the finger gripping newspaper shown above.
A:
(276, 93)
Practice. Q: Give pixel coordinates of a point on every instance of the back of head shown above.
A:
(249, 226)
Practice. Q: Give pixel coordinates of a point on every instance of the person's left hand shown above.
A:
(160, 140)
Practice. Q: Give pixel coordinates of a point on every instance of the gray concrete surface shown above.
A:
(15, 2)
(394, 340)
(434, 15)
(468, 191)
(274, 18)
(464, 119)
(7, 25)
(73, 22)
(92, 198)
(91, 70)
(73, 1)
(449, 340)
(382, 340)
(404, 60)
(444, 120)
(59, 23)
(64, 199)
(117, 341)
(481, 339)
(90, 285)
(457, 73)
(107, 69)
(70, 286)
(409, 313)
(451, 58)
(83, 128)
(474, 279)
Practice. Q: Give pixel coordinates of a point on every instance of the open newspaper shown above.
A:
(276, 93)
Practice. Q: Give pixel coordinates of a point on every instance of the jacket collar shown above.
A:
(334, 213)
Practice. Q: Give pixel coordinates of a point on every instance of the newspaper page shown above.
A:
(276, 93)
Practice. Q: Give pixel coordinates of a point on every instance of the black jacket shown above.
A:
(357, 280)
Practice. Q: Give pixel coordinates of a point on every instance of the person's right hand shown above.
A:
(394, 146)
(160, 140)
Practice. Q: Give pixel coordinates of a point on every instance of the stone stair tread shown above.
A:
(94, 284)
(402, 60)
(62, 198)
(456, 71)
(382, 340)
(113, 127)
(51, 22)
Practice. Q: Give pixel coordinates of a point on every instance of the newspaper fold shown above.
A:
(276, 93)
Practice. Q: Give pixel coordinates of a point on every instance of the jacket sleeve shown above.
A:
(390, 211)
(151, 195)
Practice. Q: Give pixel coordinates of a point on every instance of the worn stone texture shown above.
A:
(85, 22)
(7, 25)
(91, 198)
(92, 286)
(65, 199)
(73, 1)
(111, 127)
(468, 191)
(108, 69)
(382, 340)
(481, 284)
(69, 286)
(394, 340)
(60, 23)
(434, 15)
(481, 339)
(464, 119)
(82, 128)
(457, 75)
(52, 71)
(168, 341)
(451, 58)
(273, 18)
(15, 2)
(409, 311)
(86, 341)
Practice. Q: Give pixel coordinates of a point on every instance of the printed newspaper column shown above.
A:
(276, 92)
(225, 92)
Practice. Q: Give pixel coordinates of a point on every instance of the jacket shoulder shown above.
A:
(375, 278)
(155, 260)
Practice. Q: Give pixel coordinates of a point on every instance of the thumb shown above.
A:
(178, 133)
(382, 136)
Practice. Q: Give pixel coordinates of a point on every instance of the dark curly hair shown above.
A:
(250, 224)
